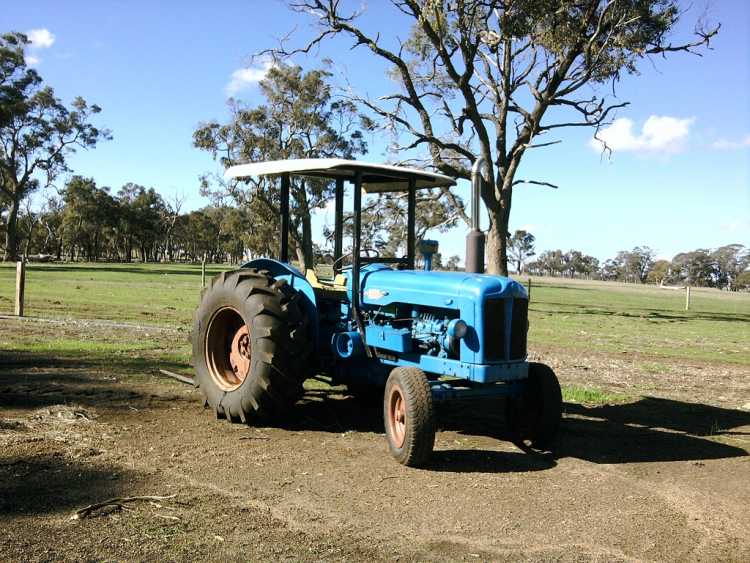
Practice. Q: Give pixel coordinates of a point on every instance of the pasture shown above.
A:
(607, 317)
(653, 461)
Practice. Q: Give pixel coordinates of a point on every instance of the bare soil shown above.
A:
(665, 476)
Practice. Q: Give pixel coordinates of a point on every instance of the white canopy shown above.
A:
(375, 177)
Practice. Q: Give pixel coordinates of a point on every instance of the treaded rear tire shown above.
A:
(419, 421)
(279, 345)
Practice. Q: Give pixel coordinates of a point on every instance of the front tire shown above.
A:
(409, 416)
(534, 417)
(249, 346)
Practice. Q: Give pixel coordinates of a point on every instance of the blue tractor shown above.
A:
(419, 336)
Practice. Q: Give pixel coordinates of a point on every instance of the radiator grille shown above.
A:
(519, 330)
(494, 330)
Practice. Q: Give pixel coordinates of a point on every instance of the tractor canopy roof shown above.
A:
(375, 177)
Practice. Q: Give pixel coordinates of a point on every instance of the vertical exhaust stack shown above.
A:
(475, 238)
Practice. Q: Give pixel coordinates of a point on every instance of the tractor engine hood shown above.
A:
(382, 285)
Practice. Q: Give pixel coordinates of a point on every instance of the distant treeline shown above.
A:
(89, 223)
(725, 267)
(86, 222)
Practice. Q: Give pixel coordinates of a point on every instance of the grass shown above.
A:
(645, 320)
(594, 316)
(144, 293)
(592, 396)
(130, 351)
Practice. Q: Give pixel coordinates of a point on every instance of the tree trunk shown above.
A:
(497, 239)
(305, 253)
(301, 258)
(11, 235)
(27, 251)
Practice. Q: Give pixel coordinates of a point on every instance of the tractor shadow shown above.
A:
(488, 461)
(332, 410)
(647, 430)
(53, 483)
(652, 429)
(33, 380)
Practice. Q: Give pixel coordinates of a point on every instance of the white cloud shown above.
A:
(243, 78)
(40, 38)
(726, 145)
(659, 134)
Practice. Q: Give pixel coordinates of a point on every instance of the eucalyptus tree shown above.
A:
(731, 261)
(37, 132)
(89, 218)
(499, 78)
(695, 268)
(660, 272)
(300, 118)
(521, 248)
(635, 264)
(141, 220)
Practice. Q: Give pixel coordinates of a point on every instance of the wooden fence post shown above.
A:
(20, 283)
(687, 297)
(529, 289)
(203, 272)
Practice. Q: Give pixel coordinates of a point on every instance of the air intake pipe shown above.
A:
(475, 238)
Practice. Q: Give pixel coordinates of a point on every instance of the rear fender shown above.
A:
(296, 280)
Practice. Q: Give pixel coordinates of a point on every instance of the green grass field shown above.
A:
(572, 314)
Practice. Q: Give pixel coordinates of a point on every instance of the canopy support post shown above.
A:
(356, 243)
(284, 207)
(338, 229)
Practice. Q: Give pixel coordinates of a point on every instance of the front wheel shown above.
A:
(534, 416)
(409, 416)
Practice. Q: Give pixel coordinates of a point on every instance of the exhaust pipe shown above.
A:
(475, 238)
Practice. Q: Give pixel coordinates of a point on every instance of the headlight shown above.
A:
(457, 328)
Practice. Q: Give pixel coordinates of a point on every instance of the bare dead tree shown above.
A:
(500, 77)
(172, 213)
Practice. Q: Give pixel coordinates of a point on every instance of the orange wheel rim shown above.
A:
(397, 416)
(228, 349)
(240, 355)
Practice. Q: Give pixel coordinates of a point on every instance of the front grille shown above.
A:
(519, 329)
(494, 330)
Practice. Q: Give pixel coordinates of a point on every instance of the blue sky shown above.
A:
(679, 178)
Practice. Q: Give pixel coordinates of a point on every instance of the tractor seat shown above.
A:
(334, 289)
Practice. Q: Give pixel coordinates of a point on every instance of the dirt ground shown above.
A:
(665, 476)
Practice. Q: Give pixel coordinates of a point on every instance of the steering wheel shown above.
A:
(367, 250)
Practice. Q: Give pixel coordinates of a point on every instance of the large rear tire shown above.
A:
(250, 346)
(409, 416)
(534, 417)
